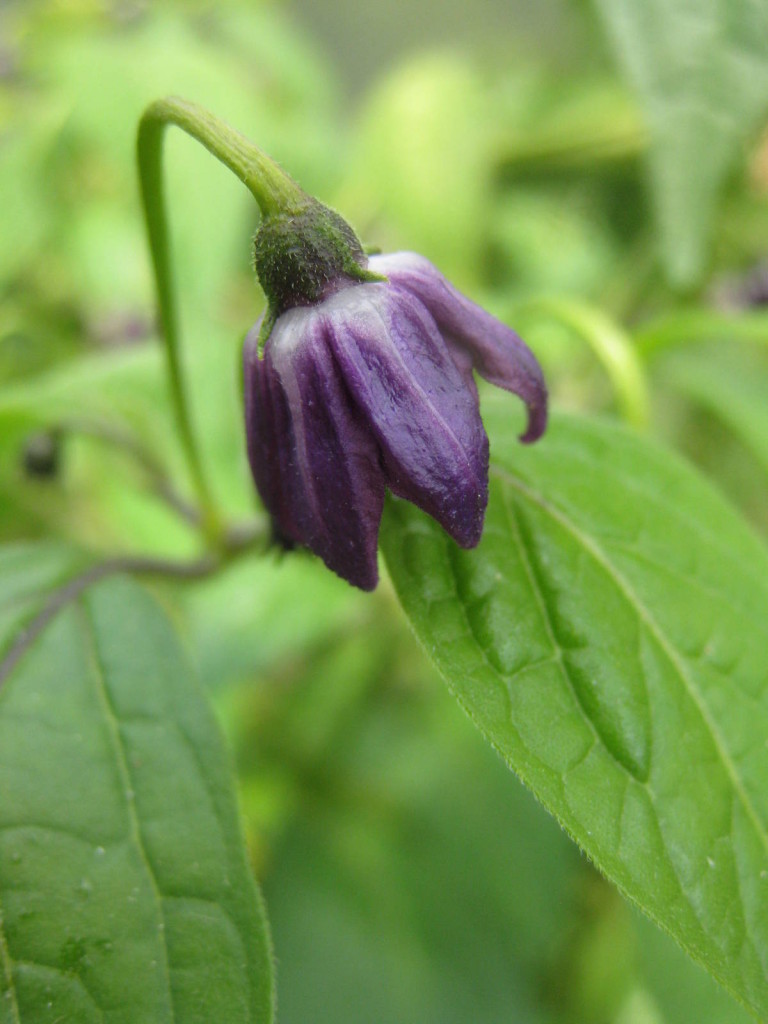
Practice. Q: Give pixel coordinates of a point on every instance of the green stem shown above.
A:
(559, 151)
(611, 345)
(235, 542)
(274, 191)
(122, 440)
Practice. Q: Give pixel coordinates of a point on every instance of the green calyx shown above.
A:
(301, 256)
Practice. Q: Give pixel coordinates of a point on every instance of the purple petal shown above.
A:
(496, 351)
(421, 411)
(267, 431)
(314, 461)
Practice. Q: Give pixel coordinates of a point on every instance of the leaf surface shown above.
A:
(608, 636)
(124, 890)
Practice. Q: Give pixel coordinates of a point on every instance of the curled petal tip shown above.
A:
(537, 423)
(476, 339)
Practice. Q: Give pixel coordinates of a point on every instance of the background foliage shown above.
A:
(594, 184)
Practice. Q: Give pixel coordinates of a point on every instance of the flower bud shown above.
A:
(367, 384)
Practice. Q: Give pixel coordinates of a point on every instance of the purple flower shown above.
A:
(372, 387)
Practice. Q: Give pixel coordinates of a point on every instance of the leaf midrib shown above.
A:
(628, 776)
(113, 726)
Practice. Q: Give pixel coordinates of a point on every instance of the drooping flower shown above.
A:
(369, 386)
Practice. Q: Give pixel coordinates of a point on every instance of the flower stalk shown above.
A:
(359, 376)
(274, 191)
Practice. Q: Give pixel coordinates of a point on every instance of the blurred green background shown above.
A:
(408, 875)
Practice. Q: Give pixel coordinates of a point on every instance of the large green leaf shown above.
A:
(124, 890)
(701, 70)
(609, 637)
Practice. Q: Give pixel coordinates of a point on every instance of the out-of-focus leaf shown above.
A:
(701, 71)
(28, 575)
(414, 881)
(263, 609)
(98, 72)
(419, 163)
(548, 128)
(611, 346)
(550, 241)
(681, 990)
(26, 133)
(96, 499)
(608, 636)
(682, 327)
(711, 404)
(124, 887)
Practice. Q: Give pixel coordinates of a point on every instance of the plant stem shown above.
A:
(274, 191)
(234, 542)
(124, 441)
(612, 346)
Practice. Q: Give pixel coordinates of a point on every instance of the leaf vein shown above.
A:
(39, 965)
(113, 724)
(452, 550)
(549, 625)
(666, 645)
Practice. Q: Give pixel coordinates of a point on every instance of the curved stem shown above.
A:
(122, 440)
(611, 345)
(235, 542)
(274, 191)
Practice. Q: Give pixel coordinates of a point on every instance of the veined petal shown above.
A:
(267, 431)
(497, 352)
(313, 458)
(421, 411)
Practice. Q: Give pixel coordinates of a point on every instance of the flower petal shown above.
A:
(314, 460)
(421, 411)
(497, 352)
(266, 431)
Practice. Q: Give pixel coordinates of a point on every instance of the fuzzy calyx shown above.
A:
(304, 256)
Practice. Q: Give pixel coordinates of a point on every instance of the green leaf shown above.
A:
(701, 71)
(608, 636)
(124, 890)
